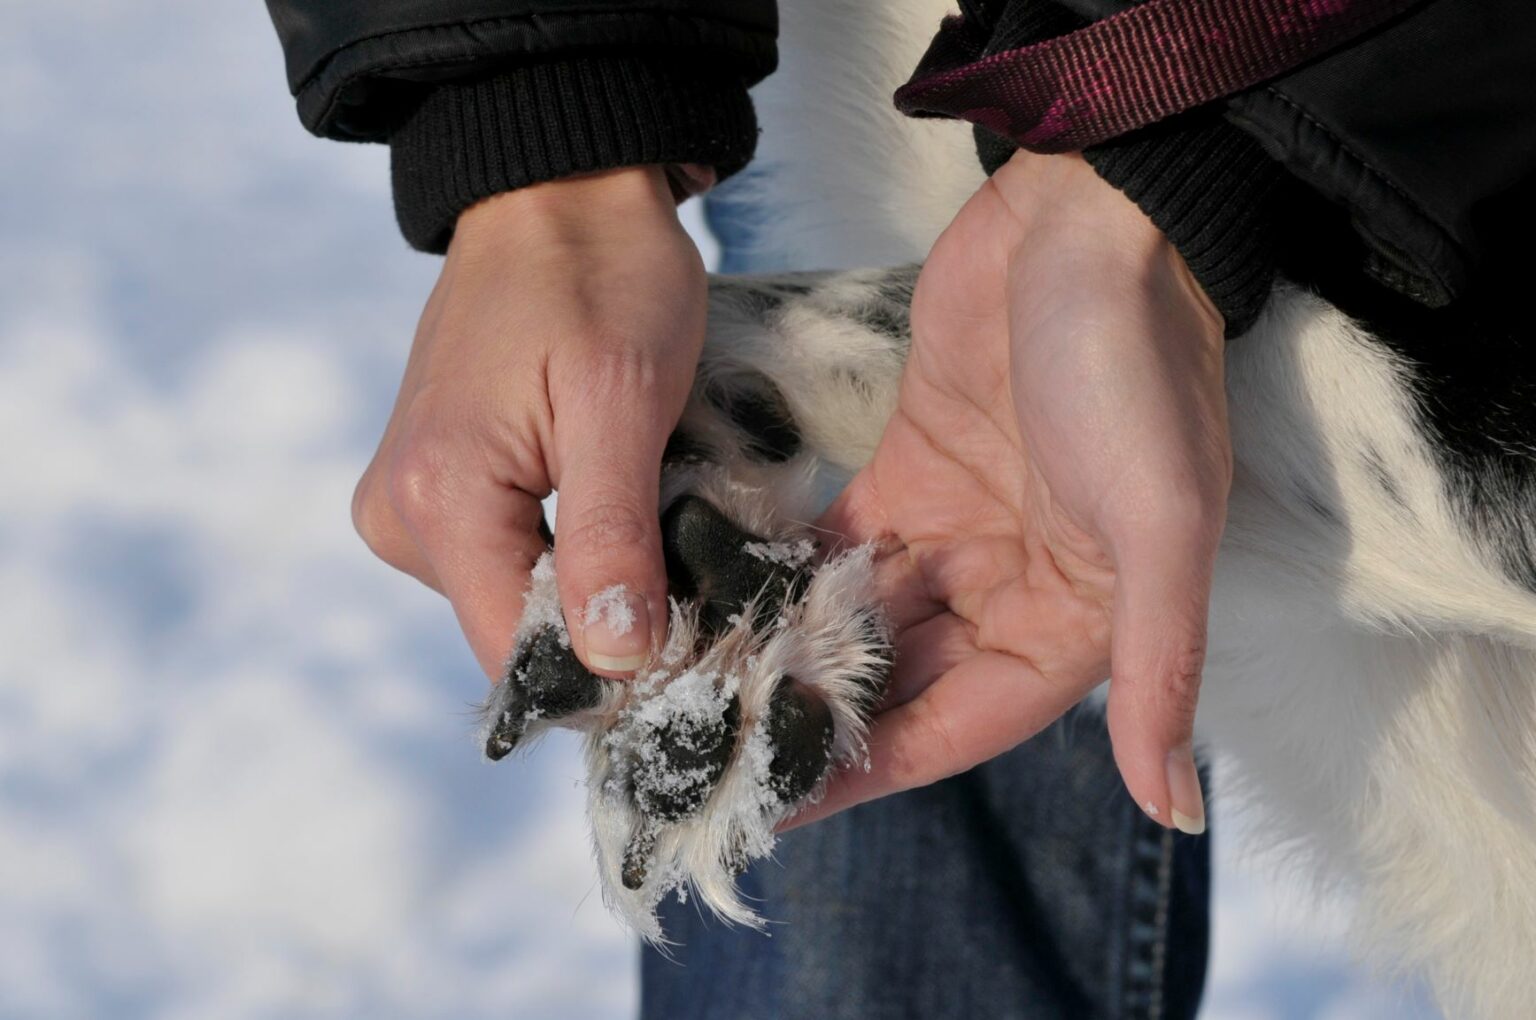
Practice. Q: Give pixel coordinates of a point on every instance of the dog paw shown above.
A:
(772, 668)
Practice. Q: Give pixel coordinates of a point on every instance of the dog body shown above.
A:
(1371, 677)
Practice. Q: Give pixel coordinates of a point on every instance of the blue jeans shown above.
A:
(1029, 887)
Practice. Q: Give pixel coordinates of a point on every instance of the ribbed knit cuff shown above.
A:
(541, 121)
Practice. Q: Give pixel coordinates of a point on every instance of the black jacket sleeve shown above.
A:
(1208, 186)
(1417, 133)
(1413, 131)
(476, 97)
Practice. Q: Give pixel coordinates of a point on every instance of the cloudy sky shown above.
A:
(236, 775)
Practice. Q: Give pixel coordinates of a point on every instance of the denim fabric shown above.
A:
(1029, 887)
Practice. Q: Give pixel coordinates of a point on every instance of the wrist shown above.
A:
(551, 211)
(1062, 205)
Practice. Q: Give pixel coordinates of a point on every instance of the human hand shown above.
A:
(1051, 491)
(556, 352)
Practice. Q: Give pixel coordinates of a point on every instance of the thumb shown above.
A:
(1157, 655)
(608, 559)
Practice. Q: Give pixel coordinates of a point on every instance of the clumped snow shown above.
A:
(695, 696)
(541, 602)
(611, 607)
(789, 554)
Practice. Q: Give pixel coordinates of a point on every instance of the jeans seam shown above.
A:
(1160, 924)
(1150, 913)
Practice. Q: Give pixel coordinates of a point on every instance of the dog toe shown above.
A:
(544, 680)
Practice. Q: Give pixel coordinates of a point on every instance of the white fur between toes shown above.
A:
(826, 643)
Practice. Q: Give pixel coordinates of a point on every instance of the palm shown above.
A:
(993, 586)
(988, 544)
(1047, 469)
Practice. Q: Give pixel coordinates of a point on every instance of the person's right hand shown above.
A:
(556, 352)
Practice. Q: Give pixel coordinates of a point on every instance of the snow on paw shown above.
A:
(544, 683)
(772, 668)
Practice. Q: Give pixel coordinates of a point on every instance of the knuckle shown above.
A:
(419, 482)
(616, 361)
(368, 510)
(375, 522)
(1180, 688)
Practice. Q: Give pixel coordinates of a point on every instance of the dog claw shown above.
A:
(737, 858)
(637, 856)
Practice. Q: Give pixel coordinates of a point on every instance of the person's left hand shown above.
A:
(1050, 491)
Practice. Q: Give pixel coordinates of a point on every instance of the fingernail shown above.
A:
(1184, 790)
(616, 628)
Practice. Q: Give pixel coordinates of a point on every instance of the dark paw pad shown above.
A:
(801, 732)
(682, 761)
(545, 680)
(711, 560)
(676, 767)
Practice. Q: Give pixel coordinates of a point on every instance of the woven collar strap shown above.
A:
(1131, 69)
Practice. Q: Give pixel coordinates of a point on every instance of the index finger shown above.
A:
(481, 539)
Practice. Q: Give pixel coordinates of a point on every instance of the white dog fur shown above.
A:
(1371, 680)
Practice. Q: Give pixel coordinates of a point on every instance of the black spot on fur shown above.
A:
(689, 757)
(707, 560)
(891, 321)
(890, 314)
(1473, 364)
(683, 448)
(756, 407)
(790, 286)
(800, 731)
(1376, 466)
(545, 680)
(900, 283)
(1314, 503)
(758, 302)
(1474, 375)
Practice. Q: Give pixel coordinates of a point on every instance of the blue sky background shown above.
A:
(236, 773)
